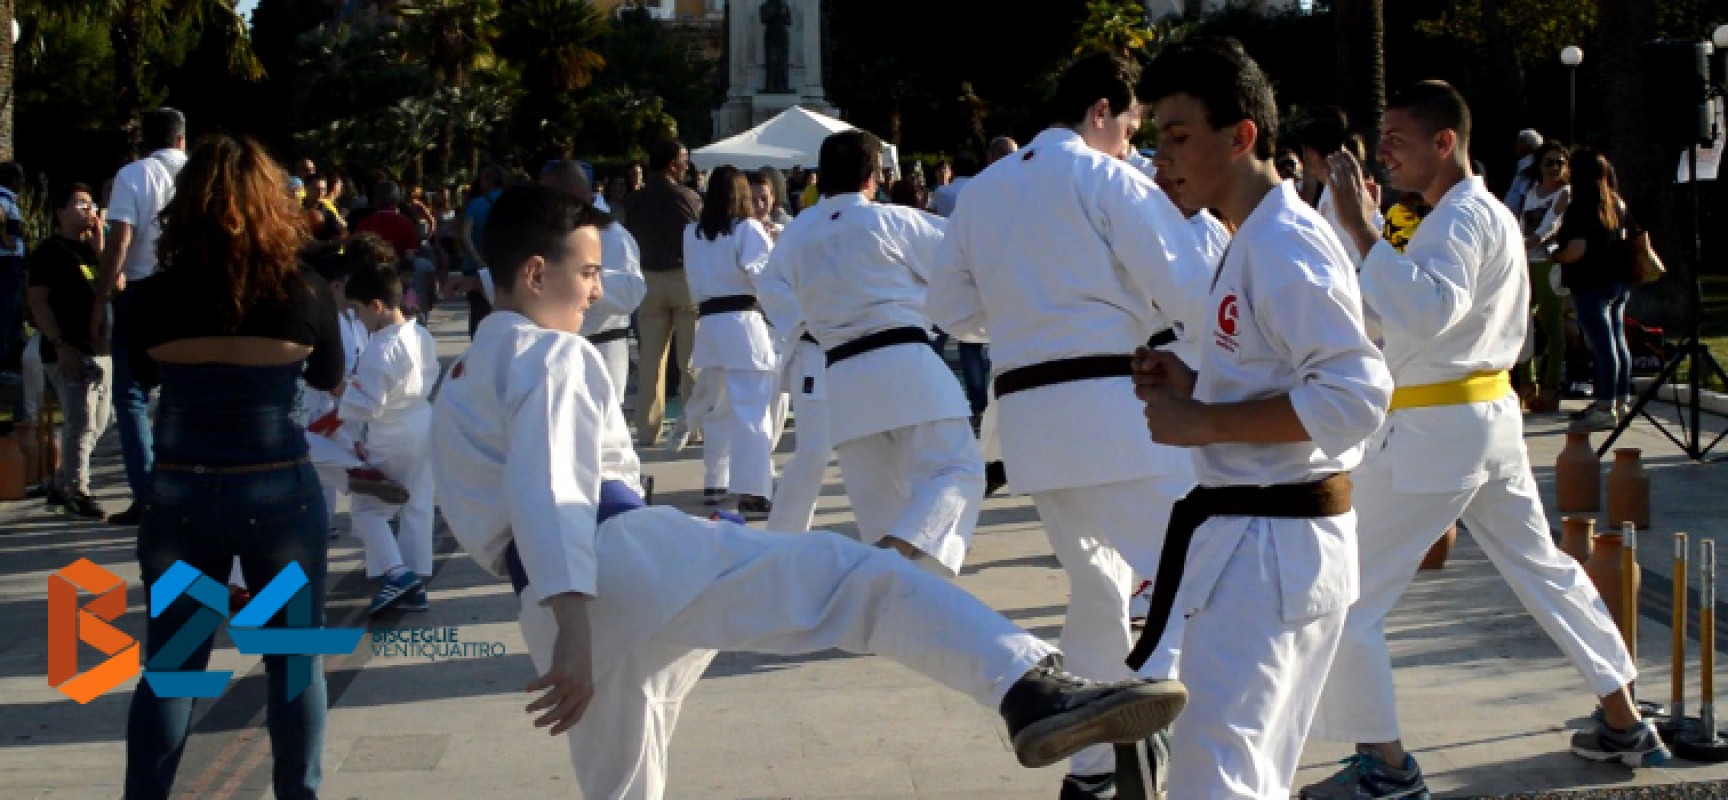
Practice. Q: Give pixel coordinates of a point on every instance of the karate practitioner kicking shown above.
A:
(854, 273)
(1070, 258)
(1288, 387)
(1453, 309)
(623, 605)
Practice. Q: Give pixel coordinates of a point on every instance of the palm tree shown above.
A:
(139, 27)
(1361, 65)
(453, 38)
(6, 79)
(553, 41)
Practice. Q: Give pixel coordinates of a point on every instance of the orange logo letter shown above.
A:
(68, 625)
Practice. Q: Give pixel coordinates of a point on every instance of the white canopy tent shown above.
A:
(792, 138)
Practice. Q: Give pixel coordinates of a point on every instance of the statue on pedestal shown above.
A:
(777, 47)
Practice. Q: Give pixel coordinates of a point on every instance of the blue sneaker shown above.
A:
(414, 601)
(1366, 777)
(393, 590)
(1639, 747)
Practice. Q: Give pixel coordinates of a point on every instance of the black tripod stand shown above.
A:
(1699, 362)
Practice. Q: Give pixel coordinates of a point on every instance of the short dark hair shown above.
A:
(12, 175)
(1326, 132)
(1219, 74)
(368, 282)
(162, 128)
(661, 154)
(847, 161)
(1437, 107)
(62, 194)
(368, 250)
(1099, 76)
(531, 220)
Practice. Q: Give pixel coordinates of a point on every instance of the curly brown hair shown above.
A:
(231, 220)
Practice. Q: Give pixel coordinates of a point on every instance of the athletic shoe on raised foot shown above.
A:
(714, 497)
(1366, 777)
(374, 483)
(393, 589)
(1088, 787)
(130, 516)
(1639, 747)
(414, 601)
(81, 506)
(755, 506)
(1051, 714)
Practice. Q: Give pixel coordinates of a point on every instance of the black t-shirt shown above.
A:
(182, 304)
(66, 268)
(1607, 254)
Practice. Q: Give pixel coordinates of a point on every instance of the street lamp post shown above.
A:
(1572, 55)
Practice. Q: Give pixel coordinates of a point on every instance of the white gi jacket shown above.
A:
(1062, 251)
(622, 286)
(1329, 209)
(387, 399)
(524, 431)
(1454, 302)
(727, 266)
(854, 268)
(335, 449)
(1288, 319)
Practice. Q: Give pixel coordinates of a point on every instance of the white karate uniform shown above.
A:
(1265, 598)
(332, 452)
(806, 379)
(1329, 210)
(1455, 302)
(1062, 251)
(621, 290)
(520, 450)
(734, 352)
(386, 410)
(846, 268)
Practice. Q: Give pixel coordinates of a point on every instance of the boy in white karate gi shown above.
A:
(1288, 387)
(1071, 258)
(623, 605)
(853, 273)
(328, 443)
(1453, 310)
(385, 406)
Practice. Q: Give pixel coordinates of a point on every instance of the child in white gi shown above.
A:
(1071, 258)
(1453, 310)
(624, 605)
(328, 443)
(386, 405)
(1288, 387)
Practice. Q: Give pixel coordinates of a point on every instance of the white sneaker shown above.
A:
(1596, 418)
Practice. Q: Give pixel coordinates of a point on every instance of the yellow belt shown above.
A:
(1477, 387)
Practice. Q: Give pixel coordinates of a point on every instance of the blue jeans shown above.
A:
(224, 418)
(974, 369)
(1602, 318)
(11, 312)
(131, 407)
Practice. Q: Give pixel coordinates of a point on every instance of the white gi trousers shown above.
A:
(738, 430)
(404, 456)
(1103, 536)
(801, 477)
(1253, 676)
(333, 478)
(922, 484)
(616, 354)
(1505, 518)
(772, 593)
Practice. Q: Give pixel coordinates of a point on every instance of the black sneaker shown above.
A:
(754, 506)
(1088, 787)
(130, 516)
(995, 477)
(53, 499)
(1639, 747)
(1051, 714)
(80, 505)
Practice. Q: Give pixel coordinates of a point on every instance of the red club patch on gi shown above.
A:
(1229, 313)
(456, 371)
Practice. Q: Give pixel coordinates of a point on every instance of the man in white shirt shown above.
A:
(1260, 559)
(1453, 309)
(1528, 140)
(623, 606)
(854, 274)
(945, 198)
(1068, 258)
(141, 190)
(1319, 138)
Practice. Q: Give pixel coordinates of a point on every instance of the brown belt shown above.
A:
(237, 469)
(1327, 497)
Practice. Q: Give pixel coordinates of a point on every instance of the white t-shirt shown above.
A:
(141, 190)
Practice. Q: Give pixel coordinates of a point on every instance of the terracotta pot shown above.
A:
(1628, 491)
(1578, 475)
(1608, 573)
(1436, 558)
(30, 444)
(1575, 536)
(11, 468)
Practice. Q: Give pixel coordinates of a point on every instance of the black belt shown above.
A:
(726, 305)
(1062, 370)
(1161, 338)
(1327, 497)
(608, 336)
(806, 337)
(877, 341)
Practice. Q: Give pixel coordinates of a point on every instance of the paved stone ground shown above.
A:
(1485, 698)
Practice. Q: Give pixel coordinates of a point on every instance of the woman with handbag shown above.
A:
(1544, 208)
(1596, 266)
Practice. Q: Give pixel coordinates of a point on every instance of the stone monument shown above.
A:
(773, 62)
